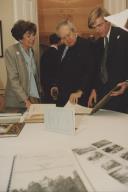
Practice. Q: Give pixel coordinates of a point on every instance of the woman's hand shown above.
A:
(27, 103)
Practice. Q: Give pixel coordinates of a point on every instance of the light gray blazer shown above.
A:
(17, 88)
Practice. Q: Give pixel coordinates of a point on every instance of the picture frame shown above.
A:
(1, 40)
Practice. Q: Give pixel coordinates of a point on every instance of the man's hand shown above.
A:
(92, 98)
(75, 96)
(122, 88)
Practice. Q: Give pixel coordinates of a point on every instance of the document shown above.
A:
(79, 109)
(60, 120)
(10, 114)
(10, 119)
(49, 172)
(119, 19)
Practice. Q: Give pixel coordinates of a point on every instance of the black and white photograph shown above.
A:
(125, 155)
(48, 172)
(82, 151)
(109, 165)
(1, 40)
(113, 149)
(10, 129)
(101, 143)
(121, 175)
(95, 156)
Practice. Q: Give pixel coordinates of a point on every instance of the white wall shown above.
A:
(6, 16)
(10, 12)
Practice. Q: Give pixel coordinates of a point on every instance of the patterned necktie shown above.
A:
(104, 73)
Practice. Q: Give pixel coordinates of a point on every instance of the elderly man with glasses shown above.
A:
(76, 69)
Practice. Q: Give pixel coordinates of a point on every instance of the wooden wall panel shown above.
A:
(50, 12)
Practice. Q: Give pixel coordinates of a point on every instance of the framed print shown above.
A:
(1, 40)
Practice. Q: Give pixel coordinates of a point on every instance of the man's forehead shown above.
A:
(99, 20)
(64, 28)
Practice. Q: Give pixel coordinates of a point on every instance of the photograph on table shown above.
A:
(81, 151)
(109, 165)
(113, 149)
(125, 155)
(50, 172)
(121, 175)
(101, 143)
(10, 129)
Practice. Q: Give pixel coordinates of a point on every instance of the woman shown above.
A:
(22, 77)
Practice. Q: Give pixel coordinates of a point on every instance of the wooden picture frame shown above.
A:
(1, 40)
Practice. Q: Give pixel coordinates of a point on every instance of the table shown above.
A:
(108, 125)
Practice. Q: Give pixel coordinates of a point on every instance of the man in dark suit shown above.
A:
(49, 70)
(76, 67)
(111, 53)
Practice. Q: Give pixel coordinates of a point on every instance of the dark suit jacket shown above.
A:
(117, 67)
(49, 71)
(76, 70)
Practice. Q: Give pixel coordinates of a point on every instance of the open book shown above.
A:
(50, 171)
(79, 110)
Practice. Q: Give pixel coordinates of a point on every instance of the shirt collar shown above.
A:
(108, 34)
(54, 46)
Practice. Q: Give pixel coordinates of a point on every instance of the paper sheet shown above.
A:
(119, 19)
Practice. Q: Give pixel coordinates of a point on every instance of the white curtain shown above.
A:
(115, 6)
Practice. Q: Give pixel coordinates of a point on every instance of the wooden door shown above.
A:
(50, 12)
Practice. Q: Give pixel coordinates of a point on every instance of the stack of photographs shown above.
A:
(110, 157)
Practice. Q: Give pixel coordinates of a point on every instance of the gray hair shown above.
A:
(66, 23)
